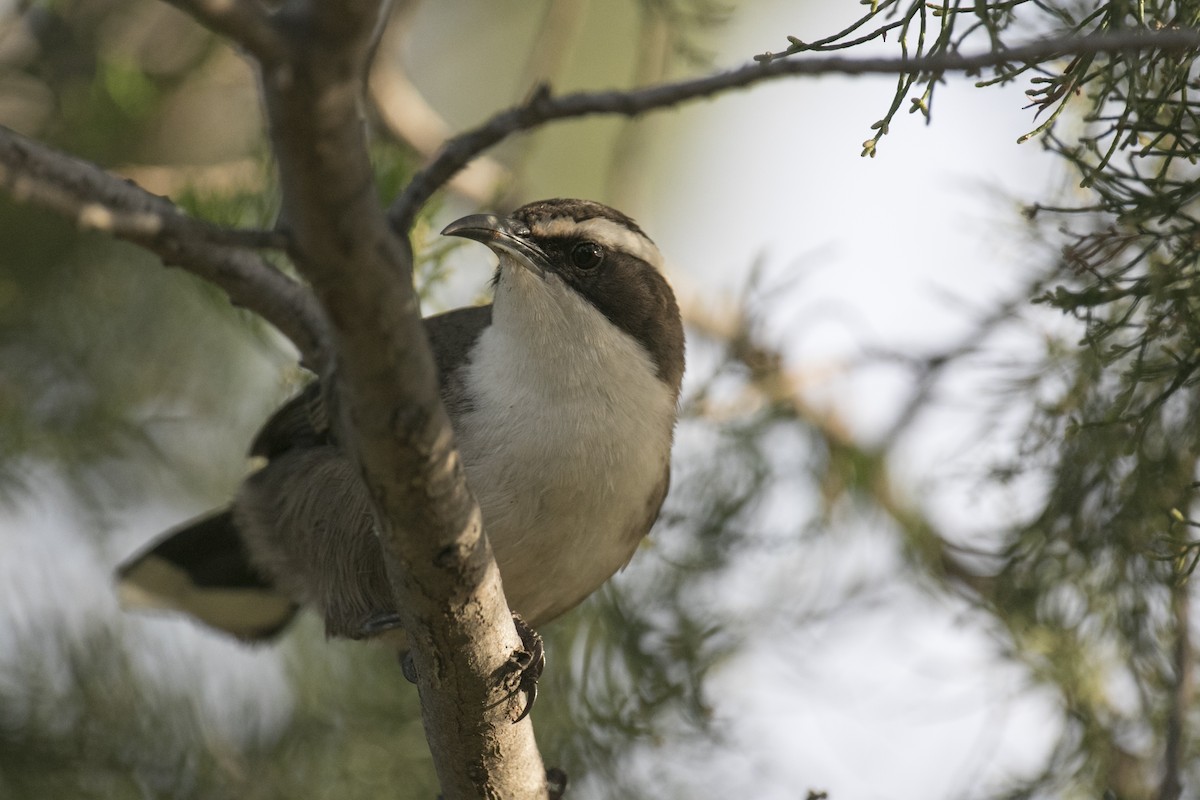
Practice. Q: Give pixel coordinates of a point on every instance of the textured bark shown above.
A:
(444, 576)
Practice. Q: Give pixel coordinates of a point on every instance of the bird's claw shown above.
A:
(529, 661)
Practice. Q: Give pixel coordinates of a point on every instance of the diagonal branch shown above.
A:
(542, 107)
(94, 199)
(391, 419)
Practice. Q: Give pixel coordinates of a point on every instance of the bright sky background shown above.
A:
(909, 701)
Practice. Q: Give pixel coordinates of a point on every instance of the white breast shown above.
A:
(568, 437)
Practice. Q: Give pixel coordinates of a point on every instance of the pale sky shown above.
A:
(909, 700)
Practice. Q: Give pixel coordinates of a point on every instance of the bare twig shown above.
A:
(542, 107)
(97, 200)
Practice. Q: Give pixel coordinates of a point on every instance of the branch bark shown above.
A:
(542, 107)
(440, 563)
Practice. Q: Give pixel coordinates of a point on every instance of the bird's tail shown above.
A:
(202, 568)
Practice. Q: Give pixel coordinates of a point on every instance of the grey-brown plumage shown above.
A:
(563, 399)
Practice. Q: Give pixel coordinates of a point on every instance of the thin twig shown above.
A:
(542, 107)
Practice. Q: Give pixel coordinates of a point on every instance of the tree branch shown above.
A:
(391, 419)
(97, 200)
(440, 563)
(542, 107)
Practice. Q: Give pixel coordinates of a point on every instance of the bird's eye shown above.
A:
(587, 255)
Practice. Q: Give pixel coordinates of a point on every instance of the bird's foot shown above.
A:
(408, 667)
(528, 662)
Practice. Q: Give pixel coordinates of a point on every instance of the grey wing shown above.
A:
(301, 422)
(653, 506)
(304, 421)
(306, 516)
(452, 335)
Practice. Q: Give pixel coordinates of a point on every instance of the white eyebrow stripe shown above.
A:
(606, 233)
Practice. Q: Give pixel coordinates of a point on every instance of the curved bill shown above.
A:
(502, 235)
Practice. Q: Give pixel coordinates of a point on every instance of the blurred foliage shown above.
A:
(86, 742)
(357, 732)
(1092, 584)
(74, 307)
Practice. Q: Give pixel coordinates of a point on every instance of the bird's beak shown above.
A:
(502, 235)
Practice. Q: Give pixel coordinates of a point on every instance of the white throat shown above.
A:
(567, 440)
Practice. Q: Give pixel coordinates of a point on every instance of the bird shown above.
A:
(563, 395)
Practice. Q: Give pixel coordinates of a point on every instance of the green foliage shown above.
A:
(116, 356)
(87, 721)
(1092, 583)
(1127, 84)
(72, 309)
